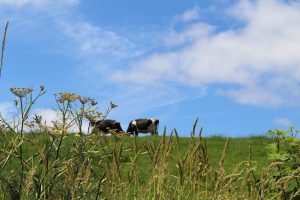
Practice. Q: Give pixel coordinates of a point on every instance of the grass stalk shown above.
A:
(3, 46)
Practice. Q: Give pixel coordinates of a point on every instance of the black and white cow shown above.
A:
(105, 125)
(143, 126)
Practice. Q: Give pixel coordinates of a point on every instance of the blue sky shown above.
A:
(233, 64)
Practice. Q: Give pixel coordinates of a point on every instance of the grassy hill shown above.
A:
(237, 151)
(122, 167)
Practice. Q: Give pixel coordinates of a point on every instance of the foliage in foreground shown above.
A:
(101, 167)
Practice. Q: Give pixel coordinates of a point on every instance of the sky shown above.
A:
(234, 64)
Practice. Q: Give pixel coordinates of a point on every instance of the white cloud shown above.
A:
(259, 59)
(253, 96)
(7, 109)
(93, 40)
(155, 96)
(9, 112)
(21, 3)
(281, 121)
(189, 15)
(48, 115)
(39, 19)
(189, 35)
(37, 3)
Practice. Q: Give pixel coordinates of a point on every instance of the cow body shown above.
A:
(143, 126)
(105, 126)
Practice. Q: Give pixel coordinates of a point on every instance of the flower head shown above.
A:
(42, 88)
(94, 102)
(92, 117)
(66, 96)
(84, 100)
(112, 105)
(21, 92)
(37, 119)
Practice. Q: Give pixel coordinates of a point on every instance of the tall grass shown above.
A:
(101, 167)
(3, 46)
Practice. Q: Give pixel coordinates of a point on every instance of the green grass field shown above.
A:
(238, 150)
(122, 167)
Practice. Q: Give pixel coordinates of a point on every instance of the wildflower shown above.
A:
(42, 88)
(37, 119)
(92, 117)
(84, 100)
(56, 124)
(66, 96)
(21, 92)
(94, 102)
(112, 105)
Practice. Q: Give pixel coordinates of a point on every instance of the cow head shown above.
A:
(132, 129)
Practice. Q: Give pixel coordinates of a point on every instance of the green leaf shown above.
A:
(295, 142)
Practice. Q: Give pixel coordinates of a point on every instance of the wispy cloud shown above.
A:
(256, 63)
(9, 112)
(139, 99)
(282, 121)
(7, 109)
(37, 21)
(189, 15)
(93, 40)
(36, 3)
(190, 35)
